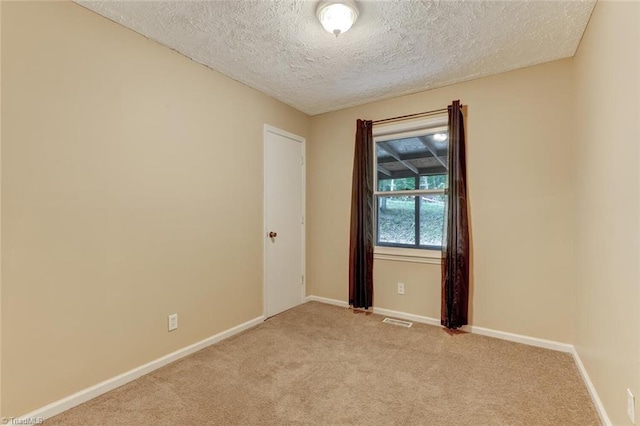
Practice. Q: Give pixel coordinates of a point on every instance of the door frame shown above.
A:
(303, 243)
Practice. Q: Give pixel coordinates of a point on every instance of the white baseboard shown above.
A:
(341, 303)
(84, 395)
(592, 390)
(519, 338)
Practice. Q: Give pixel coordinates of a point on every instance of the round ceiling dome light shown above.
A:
(337, 16)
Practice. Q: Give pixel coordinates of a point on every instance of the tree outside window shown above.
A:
(411, 188)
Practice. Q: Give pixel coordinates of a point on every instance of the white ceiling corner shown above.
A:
(396, 47)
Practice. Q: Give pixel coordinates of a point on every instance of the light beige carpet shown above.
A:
(324, 365)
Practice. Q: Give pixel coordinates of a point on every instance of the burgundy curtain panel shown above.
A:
(455, 244)
(361, 241)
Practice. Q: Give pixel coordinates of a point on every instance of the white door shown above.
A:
(284, 220)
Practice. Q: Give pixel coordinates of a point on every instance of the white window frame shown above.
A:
(401, 130)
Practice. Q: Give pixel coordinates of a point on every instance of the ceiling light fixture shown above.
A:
(440, 137)
(337, 16)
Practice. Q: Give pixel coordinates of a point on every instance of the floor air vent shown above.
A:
(399, 323)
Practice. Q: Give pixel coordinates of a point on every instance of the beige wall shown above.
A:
(131, 189)
(606, 209)
(520, 189)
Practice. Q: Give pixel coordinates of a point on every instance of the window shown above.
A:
(411, 184)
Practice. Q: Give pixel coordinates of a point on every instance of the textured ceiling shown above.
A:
(396, 46)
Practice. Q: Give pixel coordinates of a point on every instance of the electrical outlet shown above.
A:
(173, 322)
(400, 288)
(631, 406)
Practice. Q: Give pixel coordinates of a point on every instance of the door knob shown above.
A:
(273, 234)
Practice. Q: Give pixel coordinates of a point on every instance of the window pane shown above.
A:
(433, 182)
(396, 220)
(411, 156)
(396, 184)
(432, 209)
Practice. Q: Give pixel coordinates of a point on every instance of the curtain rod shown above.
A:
(407, 117)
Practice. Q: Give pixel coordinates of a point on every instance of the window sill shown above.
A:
(398, 254)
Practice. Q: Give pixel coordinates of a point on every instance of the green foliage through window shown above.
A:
(417, 163)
